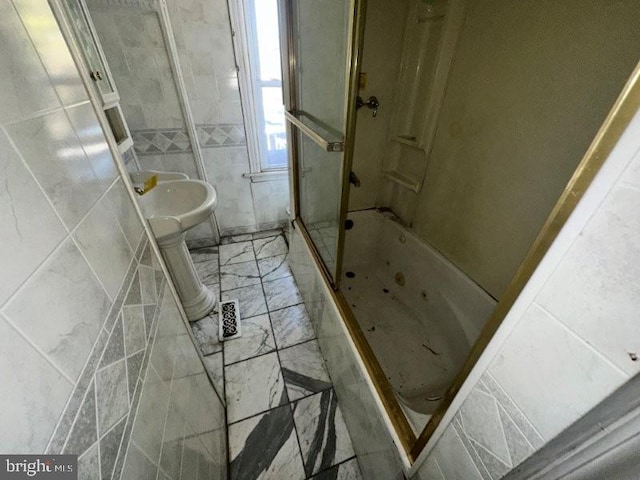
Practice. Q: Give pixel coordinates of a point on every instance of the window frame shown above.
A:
(250, 89)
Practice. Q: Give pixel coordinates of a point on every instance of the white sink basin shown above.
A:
(173, 207)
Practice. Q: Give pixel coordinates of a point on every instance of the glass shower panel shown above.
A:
(322, 32)
(320, 181)
(322, 41)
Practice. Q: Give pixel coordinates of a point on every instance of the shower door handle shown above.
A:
(315, 132)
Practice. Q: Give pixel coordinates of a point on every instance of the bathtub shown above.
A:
(418, 311)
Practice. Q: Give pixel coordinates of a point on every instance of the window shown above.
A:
(258, 45)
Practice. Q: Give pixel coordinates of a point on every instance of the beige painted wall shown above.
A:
(380, 61)
(530, 85)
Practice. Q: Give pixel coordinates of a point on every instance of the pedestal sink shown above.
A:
(172, 207)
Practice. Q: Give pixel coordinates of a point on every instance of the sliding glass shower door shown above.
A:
(324, 38)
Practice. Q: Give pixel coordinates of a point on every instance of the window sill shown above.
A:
(267, 176)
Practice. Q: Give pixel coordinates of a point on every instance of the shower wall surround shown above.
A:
(514, 110)
(132, 39)
(95, 357)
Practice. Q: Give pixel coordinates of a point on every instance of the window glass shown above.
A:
(266, 78)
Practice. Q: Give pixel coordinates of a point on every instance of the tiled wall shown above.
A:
(130, 160)
(90, 334)
(572, 337)
(376, 453)
(139, 61)
(163, 141)
(203, 37)
(134, 46)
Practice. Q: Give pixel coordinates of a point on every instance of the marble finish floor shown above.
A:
(284, 421)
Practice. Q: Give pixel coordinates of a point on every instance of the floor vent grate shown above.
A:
(229, 320)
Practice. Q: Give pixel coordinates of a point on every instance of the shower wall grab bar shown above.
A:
(314, 131)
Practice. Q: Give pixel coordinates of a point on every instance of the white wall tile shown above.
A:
(147, 431)
(61, 309)
(228, 87)
(122, 205)
(202, 231)
(552, 375)
(206, 414)
(33, 394)
(50, 324)
(481, 421)
(43, 29)
(453, 459)
(102, 242)
(429, 470)
(180, 162)
(112, 395)
(53, 152)
(271, 200)
(594, 290)
(25, 88)
(31, 229)
(632, 174)
(225, 167)
(230, 111)
(138, 465)
(85, 123)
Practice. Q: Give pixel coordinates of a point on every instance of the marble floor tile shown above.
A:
(254, 386)
(236, 253)
(303, 370)
(208, 272)
(273, 268)
(251, 300)
(265, 447)
(291, 326)
(205, 331)
(204, 254)
(257, 339)
(239, 275)
(236, 238)
(349, 470)
(270, 246)
(267, 233)
(324, 439)
(281, 293)
(215, 366)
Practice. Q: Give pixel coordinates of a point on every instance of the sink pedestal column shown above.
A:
(197, 299)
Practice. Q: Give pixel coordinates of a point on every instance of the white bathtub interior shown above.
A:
(419, 313)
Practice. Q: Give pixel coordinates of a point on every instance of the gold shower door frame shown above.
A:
(603, 143)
